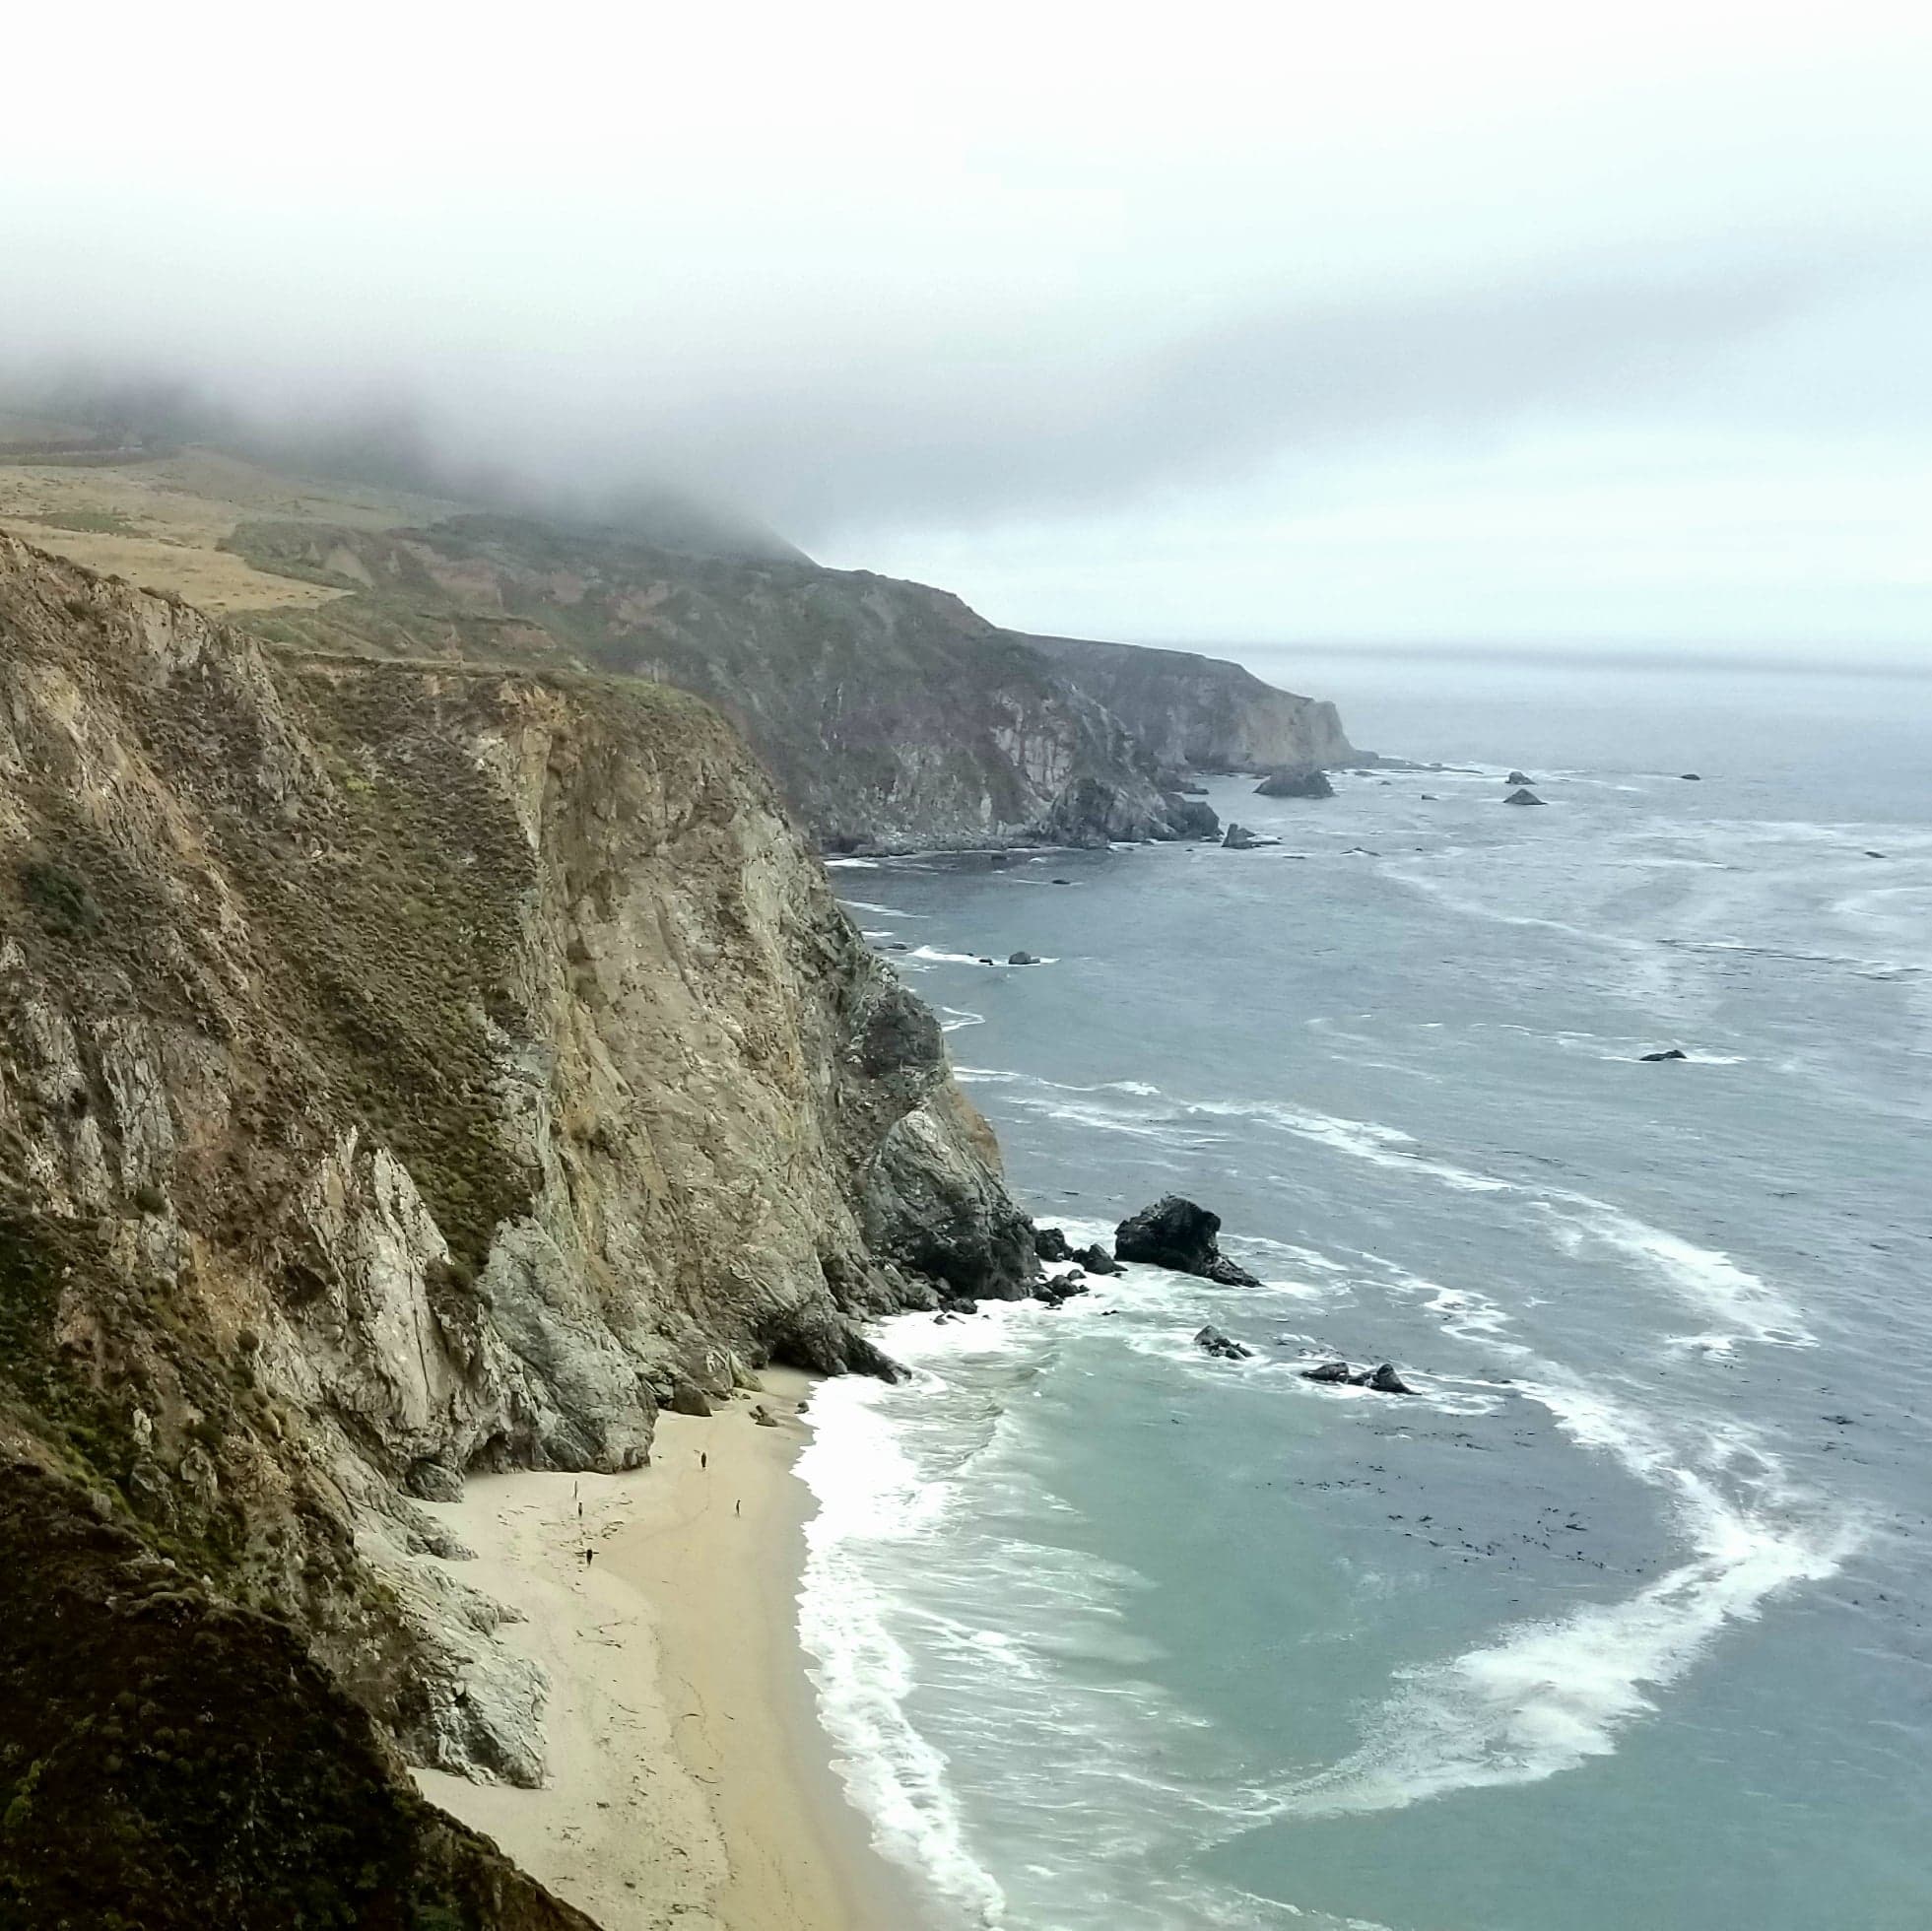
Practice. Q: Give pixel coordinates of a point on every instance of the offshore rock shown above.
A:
(1096, 1260)
(1657, 1058)
(1212, 1340)
(1241, 839)
(1521, 797)
(1050, 1244)
(1175, 1233)
(1304, 783)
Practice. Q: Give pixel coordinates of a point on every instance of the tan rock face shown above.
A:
(409, 1070)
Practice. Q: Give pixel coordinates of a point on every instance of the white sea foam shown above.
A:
(851, 864)
(870, 1493)
(940, 956)
(1547, 1695)
(957, 1019)
(884, 911)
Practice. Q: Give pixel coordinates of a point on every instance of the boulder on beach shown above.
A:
(1175, 1233)
(1520, 777)
(1023, 959)
(1522, 797)
(1656, 1058)
(1290, 783)
(1050, 1244)
(1224, 1347)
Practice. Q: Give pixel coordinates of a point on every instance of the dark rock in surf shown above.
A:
(1520, 777)
(1188, 816)
(1657, 1058)
(1175, 1233)
(1304, 783)
(1383, 1379)
(1211, 1341)
(1522, 798)
(1690, 778)
(1096, 1260)
(1241, 839)
(1329, 1371)
(1023, 959)
(1050, 1244)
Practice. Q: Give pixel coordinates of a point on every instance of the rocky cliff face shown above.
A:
(891, 714)
(1201, 712)
(407, 1069)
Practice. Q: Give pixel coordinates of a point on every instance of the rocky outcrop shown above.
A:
(891, 714)
(1211, 1341)
(1522, 797)
(406, 1071)
(1175, 1233)
(1657, 1058)
(1383, 1379)
(1295, 783)
(1240, 838)
(1203, 713)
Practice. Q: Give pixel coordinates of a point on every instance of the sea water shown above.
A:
(1620, 1620)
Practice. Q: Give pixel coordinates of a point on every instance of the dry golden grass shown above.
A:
(158, 524)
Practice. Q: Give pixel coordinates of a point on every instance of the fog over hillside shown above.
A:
(1503, 326)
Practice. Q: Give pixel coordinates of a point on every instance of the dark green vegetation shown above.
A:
(169, 1759)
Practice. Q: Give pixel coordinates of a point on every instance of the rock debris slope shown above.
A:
(404, 1069)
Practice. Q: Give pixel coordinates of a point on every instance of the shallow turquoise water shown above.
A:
(1621, 1621)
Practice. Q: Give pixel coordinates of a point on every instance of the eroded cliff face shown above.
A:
(891, 714)
(1202, 713)
(406, 1070)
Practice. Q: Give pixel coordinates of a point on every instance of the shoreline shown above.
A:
(689, 1781)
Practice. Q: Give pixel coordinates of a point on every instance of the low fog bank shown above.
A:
(361, 437)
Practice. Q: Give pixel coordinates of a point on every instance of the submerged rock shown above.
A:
(1655, 1058)
(1304, 783)
(1175, 1233)
(1690, 778)
(1223, 1346)
(1522, 797)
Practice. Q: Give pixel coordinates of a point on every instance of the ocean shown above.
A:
(1618, 1622)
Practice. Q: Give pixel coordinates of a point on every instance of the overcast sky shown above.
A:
(1479, 322)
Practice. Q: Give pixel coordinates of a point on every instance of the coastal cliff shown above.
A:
(1203, 713)
(404, 1068)
(891, 714)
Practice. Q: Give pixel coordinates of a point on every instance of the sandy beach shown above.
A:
(690, 1783)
